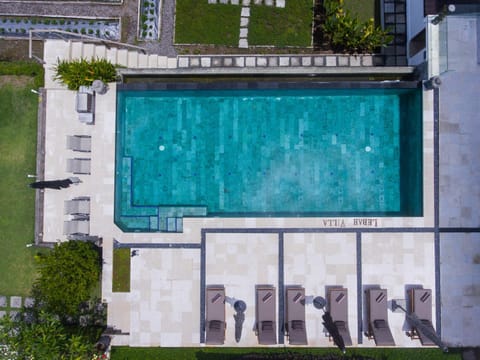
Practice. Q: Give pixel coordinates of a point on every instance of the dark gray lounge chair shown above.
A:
(265, 315)
(81, 143)
(215, 316)
(378, 317)
(295, 317)
(338, 307)
(421, 305)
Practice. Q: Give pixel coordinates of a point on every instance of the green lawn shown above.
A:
(18, 126)
(198, 22)
(121, 270)
(124, 353)
(289, 26)
(363, 10)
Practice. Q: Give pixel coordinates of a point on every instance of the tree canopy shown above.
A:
(67, 277)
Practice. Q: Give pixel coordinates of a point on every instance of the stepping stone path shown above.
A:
(15, 302)
(11, 305)
(245, 15)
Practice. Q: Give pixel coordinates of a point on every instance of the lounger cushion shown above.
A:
(380, 324)
(267, 325)
(297, 325)
(215, 325)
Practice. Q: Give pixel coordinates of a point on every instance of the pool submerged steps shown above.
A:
(148, 218)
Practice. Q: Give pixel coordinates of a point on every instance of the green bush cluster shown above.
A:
(346, 33)
(67, 276)
(81, 72)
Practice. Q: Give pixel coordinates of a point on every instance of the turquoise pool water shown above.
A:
(299, 152)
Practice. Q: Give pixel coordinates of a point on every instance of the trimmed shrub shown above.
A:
(76, 73)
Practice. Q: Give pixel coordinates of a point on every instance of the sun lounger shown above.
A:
(85, 106)
(265, 315)
(76, 227)
(378, 317)
(215, 316)
(338, 308)
(78, 166)
(421, 305)
(81, 143)
(295, 317)
(77, 206)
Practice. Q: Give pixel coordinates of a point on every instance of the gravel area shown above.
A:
(126, 10)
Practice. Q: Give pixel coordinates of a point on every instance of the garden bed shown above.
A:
(17, 26)
(121, 270)
(148, 20)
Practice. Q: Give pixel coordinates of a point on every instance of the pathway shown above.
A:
(245, 15)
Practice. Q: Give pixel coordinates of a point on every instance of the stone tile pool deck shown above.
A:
(165, 306)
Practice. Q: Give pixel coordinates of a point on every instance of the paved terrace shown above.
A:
(165, 306)
(459, 174)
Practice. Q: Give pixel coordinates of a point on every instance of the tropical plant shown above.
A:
(67, 276)
(347, 33)
(81, 72)
(42, 338)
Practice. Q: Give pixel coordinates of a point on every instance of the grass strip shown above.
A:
(364, 10)
(130, 353)
(198, 22)
(288, 26)
(18, 126)
(121, 270)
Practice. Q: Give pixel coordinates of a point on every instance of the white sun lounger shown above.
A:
(78, 166)
(82, 143)
(78, 227)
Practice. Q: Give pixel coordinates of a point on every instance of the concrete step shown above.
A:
(122, 57)
(76, 50)
(100, 51)
(142, 61)
(152, 61)
(162, 62)
(112, 55)
(132, 59)
(88, 51)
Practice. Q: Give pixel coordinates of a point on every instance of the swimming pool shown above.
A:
(266, 152)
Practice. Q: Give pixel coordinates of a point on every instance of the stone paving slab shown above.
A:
(2, 313)
(319, 261)
(232, 261)
(397, 262)
(15, 302)
(29, 302)
(3, 301)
